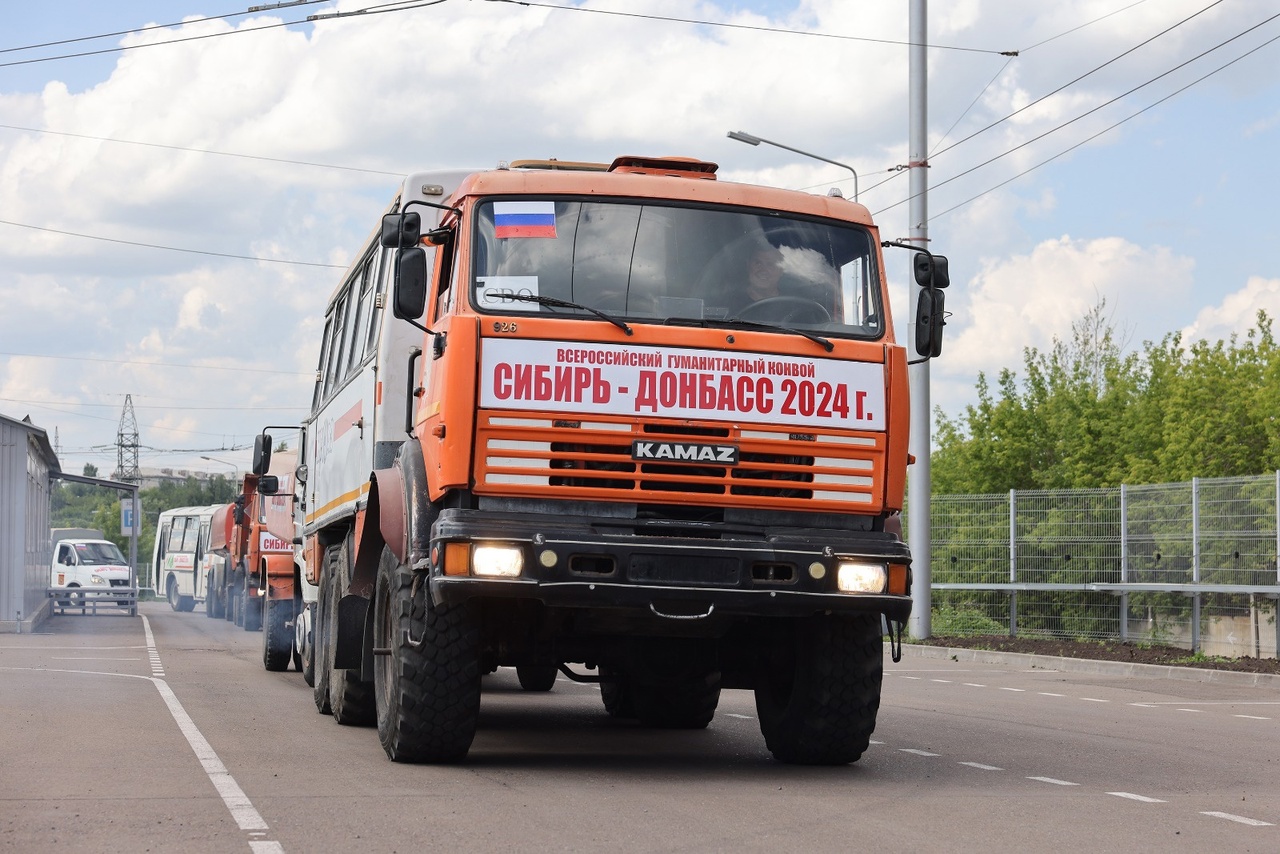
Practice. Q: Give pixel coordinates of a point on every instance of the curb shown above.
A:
(1103, 668)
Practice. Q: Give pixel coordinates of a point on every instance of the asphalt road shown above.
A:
(116, 741)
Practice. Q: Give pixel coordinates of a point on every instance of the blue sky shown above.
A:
(1167, 217)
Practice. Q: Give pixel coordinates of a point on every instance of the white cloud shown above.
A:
(1028, 300)
(1236, 314)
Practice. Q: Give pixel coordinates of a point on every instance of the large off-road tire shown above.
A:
(818, 689)
(305, 647)
(277, 634)
(615, 692)
(321, 656)
(676, 685)
(350, 698)
(428, 686)
(537, 677)
(228, 603)
(252, 607)
(214, 608)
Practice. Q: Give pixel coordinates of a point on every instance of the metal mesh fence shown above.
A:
(1190, 564)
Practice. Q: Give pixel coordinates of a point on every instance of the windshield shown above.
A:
(659, 261)
(99, 553)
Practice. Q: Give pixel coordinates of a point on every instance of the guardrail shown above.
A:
(91, 600)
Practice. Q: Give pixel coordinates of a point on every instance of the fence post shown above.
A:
(1013, 562)
(1195, 563)
(1124, 562)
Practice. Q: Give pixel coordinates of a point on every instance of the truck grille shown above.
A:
(776, 467)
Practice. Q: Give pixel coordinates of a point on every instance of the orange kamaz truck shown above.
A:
(623, 422)
(263, 590)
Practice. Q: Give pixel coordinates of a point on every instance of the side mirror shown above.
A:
(261, 453)
(930, 318)
(931, 271)
(411, 284)
(402, 230)
(268, 484)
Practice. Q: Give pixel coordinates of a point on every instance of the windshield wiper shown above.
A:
(773, 327)
(552, 302)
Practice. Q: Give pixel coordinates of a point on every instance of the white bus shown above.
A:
(182, 538)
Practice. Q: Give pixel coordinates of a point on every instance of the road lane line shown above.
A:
(233, 797)
(1054, 781)
(1094, 700)
(1048, 694)
(916, 752)
(740, 717)
(1141, 798)
(1017, 690)
(981, 767)
(975, 685)
(1252, 822)
(944, 681)
(1253, 717)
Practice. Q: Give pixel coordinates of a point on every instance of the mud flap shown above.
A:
(348, 650)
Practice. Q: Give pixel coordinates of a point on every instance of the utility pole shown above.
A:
(919, 477)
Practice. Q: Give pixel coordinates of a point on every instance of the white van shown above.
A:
(83, 558)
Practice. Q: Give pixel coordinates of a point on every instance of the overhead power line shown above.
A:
(1111, 101)
(1070, 83)
(753, 27)
(171, 248)
(201, 150)
(252, 11)
(1107, 129)
(236, 368)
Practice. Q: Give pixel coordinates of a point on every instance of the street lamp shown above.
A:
(751, 139)
(235, 469)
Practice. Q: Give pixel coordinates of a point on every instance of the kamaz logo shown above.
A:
(684, 452)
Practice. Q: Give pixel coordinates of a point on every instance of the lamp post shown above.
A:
(752, 139)
(235, 469)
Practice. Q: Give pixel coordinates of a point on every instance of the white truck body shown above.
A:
(83, 558)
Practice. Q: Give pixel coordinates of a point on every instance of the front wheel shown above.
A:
(277, 640)
(171, 594)
(818, 688)
(427, 681)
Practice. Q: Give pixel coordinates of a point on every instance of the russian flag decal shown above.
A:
(524, 219)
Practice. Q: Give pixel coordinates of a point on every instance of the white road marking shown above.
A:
(911, 677)
(1048, 694)
(89, 658)
(1143, 705)
(237, 802)
(944, 681)
(1253, 717)
(873, 741)
(982, 767)
(912, 750)
(1054, 781)
(1193, 711)
(1252, 822)
(975, 685)
(1018, 690)
(1142, 798)
(1094, 700)
(740, 717)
